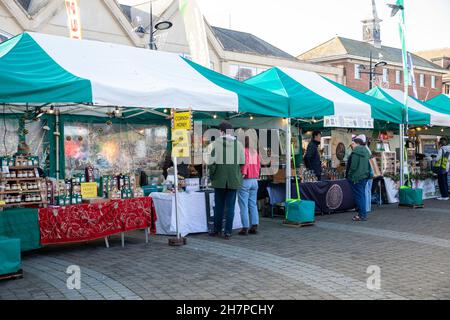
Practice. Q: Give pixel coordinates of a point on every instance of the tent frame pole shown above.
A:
(288, 158)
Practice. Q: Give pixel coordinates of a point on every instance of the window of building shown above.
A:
(433, 82)
(385, 75)
(357, 71)
(398, 76)
(422, 80)
(243, 73)
(211, 65)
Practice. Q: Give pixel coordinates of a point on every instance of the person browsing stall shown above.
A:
(227, 156)
(249, 190)
(442, 165)
(312, 156)
(358, 175)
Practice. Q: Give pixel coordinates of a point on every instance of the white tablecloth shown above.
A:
(191, 213)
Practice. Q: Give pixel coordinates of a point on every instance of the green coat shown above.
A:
(360, 166)
(226, 174)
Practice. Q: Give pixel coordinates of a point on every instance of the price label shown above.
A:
(89, 189)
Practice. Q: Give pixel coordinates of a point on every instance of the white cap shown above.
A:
(361, 137)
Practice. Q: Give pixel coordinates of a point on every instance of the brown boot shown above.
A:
(243, 232)
(253, 229)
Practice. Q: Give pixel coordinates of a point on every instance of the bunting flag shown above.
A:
(73, 18)
(195, 31)
(412, 75)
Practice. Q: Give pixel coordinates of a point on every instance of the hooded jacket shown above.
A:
(360, 166)
(227, 156)
(312, 158)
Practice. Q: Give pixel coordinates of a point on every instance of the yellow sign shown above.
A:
(182, 121)
(181, 144)
(89, 189)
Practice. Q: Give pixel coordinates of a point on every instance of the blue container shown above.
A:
(10, 259)
(300, 211)
(411, 197)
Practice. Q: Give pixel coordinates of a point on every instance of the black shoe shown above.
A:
(215, 234)
(243, 232)
(227, 236)
(253, 229)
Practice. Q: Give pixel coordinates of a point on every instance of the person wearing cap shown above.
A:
(358, 175)
(312, 156)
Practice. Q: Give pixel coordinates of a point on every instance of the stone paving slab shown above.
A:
(326, 261)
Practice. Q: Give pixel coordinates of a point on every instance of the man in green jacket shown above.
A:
(227, 156)
(358, 175)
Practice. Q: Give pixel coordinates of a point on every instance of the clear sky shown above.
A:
(298, 25)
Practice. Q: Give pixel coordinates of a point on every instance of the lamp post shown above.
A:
(372, 69)
(152, 28)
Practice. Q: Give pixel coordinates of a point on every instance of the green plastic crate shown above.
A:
(10, 260)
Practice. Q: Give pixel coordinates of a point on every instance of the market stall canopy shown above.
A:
(39, 68)
(314, 96)
(396, 97)
(440, 103)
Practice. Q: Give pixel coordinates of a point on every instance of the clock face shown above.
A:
(340, 151)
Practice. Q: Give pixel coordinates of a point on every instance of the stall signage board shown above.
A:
(348, 122)
(89, 190)
(180, 145)
(182, 120)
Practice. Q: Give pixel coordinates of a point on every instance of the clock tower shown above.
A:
(371, 28)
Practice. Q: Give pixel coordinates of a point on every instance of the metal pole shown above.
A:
(175, 170)
(288, 159)
(370, 72)
(57, 133)
(402, 154)
(152, 39)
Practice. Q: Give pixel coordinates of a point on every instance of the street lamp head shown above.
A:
(164, 25)
(381, 64)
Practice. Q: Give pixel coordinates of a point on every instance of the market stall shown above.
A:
(96, 147)
(316, 102)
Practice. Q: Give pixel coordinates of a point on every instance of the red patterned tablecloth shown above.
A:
(84, 222)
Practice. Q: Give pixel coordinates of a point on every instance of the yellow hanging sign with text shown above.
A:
(89, 190)
(180, 143)
(182, 120)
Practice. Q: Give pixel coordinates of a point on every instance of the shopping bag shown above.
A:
(298, 210)
(411, 197)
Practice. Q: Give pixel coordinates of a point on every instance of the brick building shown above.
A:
(441, 57)
(354, 56)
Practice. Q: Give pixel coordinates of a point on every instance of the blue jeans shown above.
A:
(369, 195)
(359, 195)
(224, 203)
(247, 202)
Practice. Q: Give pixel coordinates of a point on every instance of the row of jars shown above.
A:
(27, 162)
(19, 199)
(18, 187)
(20, 174)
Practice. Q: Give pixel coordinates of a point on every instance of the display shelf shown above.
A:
(23, 167)
(22, 191)
(19, 179)
(21, 204)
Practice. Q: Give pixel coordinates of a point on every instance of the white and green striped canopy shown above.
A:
(39, 68)
(436, 118)
(311, 95)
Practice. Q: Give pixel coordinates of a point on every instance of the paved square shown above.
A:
(326, 261)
